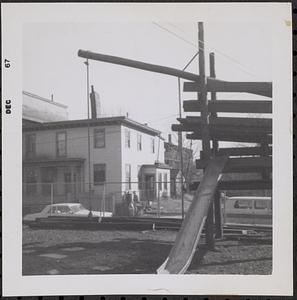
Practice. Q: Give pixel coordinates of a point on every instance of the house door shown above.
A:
(150, 187)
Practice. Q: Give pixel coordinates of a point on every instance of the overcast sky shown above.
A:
(51, 64)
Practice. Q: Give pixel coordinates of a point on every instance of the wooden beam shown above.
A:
(139, 65)
(239, 185)
(220, 131)
(241, 165)
(215, 85)
(232, 137)
(260, 123)
(236, 106)
(241, 151)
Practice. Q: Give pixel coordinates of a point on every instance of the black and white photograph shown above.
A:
(152, 142)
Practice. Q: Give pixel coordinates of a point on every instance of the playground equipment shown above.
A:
(206, 208)
(185, 244)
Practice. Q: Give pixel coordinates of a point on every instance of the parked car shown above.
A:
(248, 210)
(65, 209)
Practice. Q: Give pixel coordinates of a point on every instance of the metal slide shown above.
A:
(187, 239)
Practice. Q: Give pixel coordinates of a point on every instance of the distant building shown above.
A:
(125, 156)
(37, 109)
(173, 160)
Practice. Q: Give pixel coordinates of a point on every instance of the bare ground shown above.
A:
(129, 252)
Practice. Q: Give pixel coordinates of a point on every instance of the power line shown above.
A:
(242, 67)
(176, 35)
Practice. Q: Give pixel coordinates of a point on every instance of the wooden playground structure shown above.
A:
(211, 129)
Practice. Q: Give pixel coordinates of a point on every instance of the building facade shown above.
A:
(124, 156)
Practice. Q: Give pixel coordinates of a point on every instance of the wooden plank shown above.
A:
(188, 237)
(239, 185)
(241, 165)
(226, 121)
(139, 65)
(215, 85)
(241, 151)
(216, 130)
(232, 137)
(236, 106)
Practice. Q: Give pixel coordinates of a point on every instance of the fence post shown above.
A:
(104, 199)
(158, 209)
(52, 197)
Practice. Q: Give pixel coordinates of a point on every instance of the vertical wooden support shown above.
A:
(202, 96)
(215, 148)
(209, 233)
(218, 215)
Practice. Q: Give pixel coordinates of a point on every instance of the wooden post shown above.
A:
(209, 236)
(218, 215)
(215, 147)
(202, 97)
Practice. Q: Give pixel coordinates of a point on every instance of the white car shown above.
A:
(65, 209)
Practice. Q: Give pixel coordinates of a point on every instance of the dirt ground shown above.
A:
(128, 252)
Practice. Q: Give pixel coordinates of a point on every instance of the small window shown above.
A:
(99, 138)
(31, 181)
(99, 174)
(165, 181)
(128, 176)
(67, 182)
(261, 204)
(160, 181)
(62, 209)
(61, 143)
(139, 142)
(139, 176)
(153, 145)
(127, 138)
(30, 145)
(243, 204)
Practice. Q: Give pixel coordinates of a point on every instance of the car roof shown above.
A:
(249, 198)
(65, 204)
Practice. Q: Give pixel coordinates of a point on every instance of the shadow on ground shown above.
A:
(120, 256)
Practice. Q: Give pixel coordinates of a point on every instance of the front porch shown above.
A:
(47, 181)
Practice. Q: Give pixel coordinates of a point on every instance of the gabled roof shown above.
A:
(119, 120)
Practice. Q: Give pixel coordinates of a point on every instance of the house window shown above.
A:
(48, 177)
(139, 142)
(31, 181)
(99, 174)
(30, 145)
(61, 143)
(160, 181)
(127, 138)
(67, 181)
(153, 145)
(139, 176)
(99, 138)
(128, 176)
(165, 181)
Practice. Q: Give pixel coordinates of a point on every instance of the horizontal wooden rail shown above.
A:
(260, 123)
(228, 130)
(215, 85)
(239, 185)
(232, 137)
(138, 65)
(235, 106)
(241, 165)
(241, 151)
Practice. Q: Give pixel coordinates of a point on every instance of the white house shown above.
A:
(124, 155)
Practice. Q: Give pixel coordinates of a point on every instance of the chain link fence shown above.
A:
(118, 198)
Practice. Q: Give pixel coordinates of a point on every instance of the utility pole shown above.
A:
(202, 96)
(89, 147)
(180, 148)
(215, 146)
